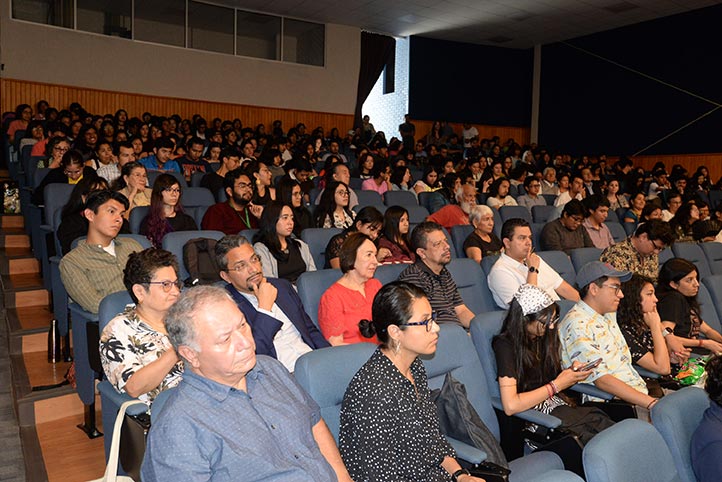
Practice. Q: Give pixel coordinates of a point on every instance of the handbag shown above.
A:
(111, 470)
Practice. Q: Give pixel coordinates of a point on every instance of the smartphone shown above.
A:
(588, 366)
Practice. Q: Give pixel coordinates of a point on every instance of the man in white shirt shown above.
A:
(576, 191)
(470, 132)
(281, 328)
(518, 265)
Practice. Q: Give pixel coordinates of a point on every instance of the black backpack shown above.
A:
(199, 258)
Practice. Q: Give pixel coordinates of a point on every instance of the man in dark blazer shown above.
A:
(281, 328)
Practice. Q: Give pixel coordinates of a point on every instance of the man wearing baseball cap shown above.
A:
(590, 331)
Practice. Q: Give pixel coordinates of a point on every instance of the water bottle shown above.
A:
(54, 353)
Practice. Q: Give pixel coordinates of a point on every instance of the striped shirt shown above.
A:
(440, 289)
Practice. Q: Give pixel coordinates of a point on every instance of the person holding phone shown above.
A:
(528, 358)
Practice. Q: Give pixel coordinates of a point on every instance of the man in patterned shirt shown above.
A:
(590, 331)
(640, 252)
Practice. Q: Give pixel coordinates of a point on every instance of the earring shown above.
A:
(397, 347)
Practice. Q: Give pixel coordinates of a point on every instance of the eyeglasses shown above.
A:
(427, 322)
(61, 149)
(172, 190)
(657, 248)
(245, 185)
(167, 284)
(73, 173)
(243, 265)
(342, 193)
(616, 288)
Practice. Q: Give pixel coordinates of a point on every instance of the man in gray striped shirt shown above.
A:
(429, 273)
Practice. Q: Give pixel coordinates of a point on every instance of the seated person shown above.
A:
(590, 331)
(289, 193)
(456, 214)
(519, 265)
(681, 223)
(263, 191)
(161, 160)
(282, 255)
(639, 253)
(281, 328)
(103, 162)
(597, 208)
(73, 224)
(395, 237)
(220, 421)
(679, 309)
(706, 444)
(166, 214)
(94, 269)
(333, 210)
(338, 171)
(213, 180)
(132, 184)
(237, 213)
(429, 273)
(369, 221)
(566, 233)
(641, 326)
(137, 355)
(390, 427)
(531, 375)
(576, 191)
(634, 213)
(499, 194)
(72, 169)
(380, 179)
(193, 160)
(533, 196)
(482, 241)
(349, 299)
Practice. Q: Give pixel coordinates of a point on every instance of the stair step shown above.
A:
(29, 319)
(14, 240)
(23, 266)
(26, 298)
(12, 221)
(22, 282)
(11, 253)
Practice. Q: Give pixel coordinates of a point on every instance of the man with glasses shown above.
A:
(532, 198)
(589, 331)
(640, 252)
(429, 273)
(94, 269)
(281, 328)
(566, 233)
(238, 213)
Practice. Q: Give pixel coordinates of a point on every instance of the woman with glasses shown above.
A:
(132, 184)
(348, 301)
(166, 213)
(137, 355)
(70, 171)
(282, 255)
(639, 322)
(677, 288)
(54, 150)
(333, 211)
(528, 359)
(389, 428)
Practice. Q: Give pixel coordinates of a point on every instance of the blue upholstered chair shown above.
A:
(317, 239)
(312, 285)
(175, 241)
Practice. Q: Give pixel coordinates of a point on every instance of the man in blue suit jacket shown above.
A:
(281, 328)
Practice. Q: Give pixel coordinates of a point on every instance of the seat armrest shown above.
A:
(643, 372)
(592, 391)
(532, 416)
(467, 452)
(108, 390)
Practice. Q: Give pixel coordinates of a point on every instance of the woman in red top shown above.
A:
(349, 300)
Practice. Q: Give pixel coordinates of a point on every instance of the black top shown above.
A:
(639, 343)
(262, 200)
(389, 429)
(302, 219)
(291, 264)
(494, 246)
(214, 183)
(334, 247)
(55, 176)
(179, 222)
(674, 307)
(506, 366)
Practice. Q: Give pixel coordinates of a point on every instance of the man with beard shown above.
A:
(238, 213)
(456, 214)
(429, 273)
(281, 328)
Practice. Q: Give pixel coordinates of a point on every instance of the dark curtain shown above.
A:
(376, 50)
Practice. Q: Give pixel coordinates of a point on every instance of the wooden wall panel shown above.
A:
(520, 134)
(691, 162)
(14, 92)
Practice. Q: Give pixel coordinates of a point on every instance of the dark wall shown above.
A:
(590, 105)
(459, 82)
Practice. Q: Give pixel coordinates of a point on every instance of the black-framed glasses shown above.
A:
(428, 322)
(167, 284)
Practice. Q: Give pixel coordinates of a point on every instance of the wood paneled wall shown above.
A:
(520, 134)
(691, 162)
(14, 92)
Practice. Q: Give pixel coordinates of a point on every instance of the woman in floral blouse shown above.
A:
(137, 355)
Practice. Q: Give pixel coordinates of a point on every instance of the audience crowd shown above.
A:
(230, 351)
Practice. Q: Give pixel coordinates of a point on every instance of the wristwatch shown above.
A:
(459, 472)
(532, 269)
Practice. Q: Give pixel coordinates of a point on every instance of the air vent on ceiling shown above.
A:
(620, 7)
(499, 39)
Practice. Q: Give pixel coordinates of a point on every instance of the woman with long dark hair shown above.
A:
(396, 236)
(289, 192)
(166, 213)
(282, 255)
(429, 180)
(263, 192)
(641, 325)
(528, 359)
(677, 288)
(71, 170)
(683, 220)
(369, 221)
(333, 211)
